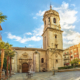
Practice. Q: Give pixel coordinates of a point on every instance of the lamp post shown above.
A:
(53, 61)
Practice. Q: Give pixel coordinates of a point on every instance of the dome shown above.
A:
(51, 12)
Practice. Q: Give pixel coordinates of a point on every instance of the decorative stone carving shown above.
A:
(25, 54)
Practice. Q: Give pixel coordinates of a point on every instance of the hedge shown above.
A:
(66, 67)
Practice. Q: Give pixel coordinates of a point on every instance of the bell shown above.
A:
(0, 28)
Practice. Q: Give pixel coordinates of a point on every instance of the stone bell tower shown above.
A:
(52, 34)
(52, 39)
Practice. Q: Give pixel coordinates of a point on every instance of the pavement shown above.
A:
(72, 75)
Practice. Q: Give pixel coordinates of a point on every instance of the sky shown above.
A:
(24, 24)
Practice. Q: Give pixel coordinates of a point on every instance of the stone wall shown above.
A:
(23, 56)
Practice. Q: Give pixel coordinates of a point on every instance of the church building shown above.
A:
(48, 58)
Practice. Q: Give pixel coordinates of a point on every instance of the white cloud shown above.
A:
(30, 45)
(67, 19)
(67, 26)
(29, 33)
(34, 17)
(40, 13)
(38, 31)
(35, 36)
(10, 36)
(23, 39)
(73, 38)
(67, 16)
(73, 5)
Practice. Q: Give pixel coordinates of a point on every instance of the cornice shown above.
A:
(33, 49)
(51, 29)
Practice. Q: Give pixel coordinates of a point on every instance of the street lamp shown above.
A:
(53, 50)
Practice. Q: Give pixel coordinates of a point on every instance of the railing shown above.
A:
(66, 54)
(67, 58)
(66, 63)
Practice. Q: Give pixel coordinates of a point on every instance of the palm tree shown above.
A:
(11, 55)
(7, 57)
(2, 47)
(7, 53)
(2, 18)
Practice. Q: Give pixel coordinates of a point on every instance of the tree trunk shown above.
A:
(0, 73)
(2, 58)
(7, 65)
(10, 66)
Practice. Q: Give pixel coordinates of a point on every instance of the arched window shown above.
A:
(55, 36)
(49, 19)
(54, 20)
(56, 61)
(42, 60)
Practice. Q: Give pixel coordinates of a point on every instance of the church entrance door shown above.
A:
(25, 67)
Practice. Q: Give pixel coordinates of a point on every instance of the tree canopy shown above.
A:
(2, 17)
(75, 61)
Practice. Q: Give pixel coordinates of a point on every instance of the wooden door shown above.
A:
(25, 67)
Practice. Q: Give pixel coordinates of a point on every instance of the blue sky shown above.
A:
(24, 24)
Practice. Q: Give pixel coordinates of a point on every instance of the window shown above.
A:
(56, 61)
(71, 56)
(49, 19)
(74, 49)
(54, 20)
(55, 45)
(55, 36)
(42, 60)
(75, 53)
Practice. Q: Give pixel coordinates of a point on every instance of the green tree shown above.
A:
(2, 19)
(7, 53)
(11, 55)
(6, 47)
(74, 62)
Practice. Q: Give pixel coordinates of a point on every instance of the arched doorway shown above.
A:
(25, 67)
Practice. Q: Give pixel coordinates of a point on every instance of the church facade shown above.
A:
(48, 58)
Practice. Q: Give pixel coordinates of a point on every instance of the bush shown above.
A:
(77, 66)
(66, 67)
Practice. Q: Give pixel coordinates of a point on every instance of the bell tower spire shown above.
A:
(50, 7)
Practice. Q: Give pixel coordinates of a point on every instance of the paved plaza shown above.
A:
(73, 75)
